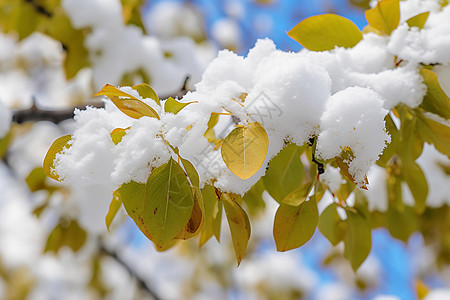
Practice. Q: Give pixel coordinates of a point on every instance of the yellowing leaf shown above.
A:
(358, 240)
(244, 149)
(285, 172)
(435, 101)
(4, 144)
(253, 198)
(385, 17)
(197, 219)
(36, 179)
(295, 225)
(299, 195)
(344, 169)
(162, 207)
(117, 134)
(325, 32)
(131, 106)
(147, 92)
(58, 146)
(173, 106)
(211, 209)
(418, 20)
(239, 225)
(331, 225)
(70, 235)
(114, 207)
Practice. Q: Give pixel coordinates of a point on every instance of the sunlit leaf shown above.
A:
(244, 149)
(162, 207)
(117, 134)
(435, 101)
(331, 225)
(131, 106)
(299, 195)
(173, 106)
(147, 92)
(325, 32)
(239, 225)
(385, 17)
(295, 225)
(114, 207)
(418, 20)
(57, 147)
(285, 173)
(358, 240)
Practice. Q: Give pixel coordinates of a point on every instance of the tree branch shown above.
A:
(141, 283)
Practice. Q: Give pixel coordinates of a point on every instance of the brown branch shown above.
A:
(38, 114)
(141, 283)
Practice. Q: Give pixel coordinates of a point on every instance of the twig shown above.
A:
(141, 283)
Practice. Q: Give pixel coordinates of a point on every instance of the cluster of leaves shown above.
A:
(171, 205)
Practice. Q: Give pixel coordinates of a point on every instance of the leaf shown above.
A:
(211, 210)
(253, 198)
(36, 179)
(435, 133)
(70, 235)
(163, 206)
(173, 106)
(325, 32)
(299, 195)
(217, 222)
(436, 100)
(418, 20)
(117, 134)
(239, 225)
(285, 172)
(131, 106)
(401, 222)
(358, 240)
(5, 143)
(331, 225)
(295, 225)
(147, 92)
(417, 183)
(197, 218)
(244, 149)
(385, 17)
(344, 169)
(59, 145)
(114, 207)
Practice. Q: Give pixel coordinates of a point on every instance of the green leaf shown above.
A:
(4, 144)
(358, 240)
(417, 183)
(36, 179)
(131, 106)
(146, 92)
(435, 133)
(295, 225)
(401, 222)
(244, 149)
(217, 222)
(325, 32)
(58, 146)
(66, 234)
(114, 207)
(285, 173)
(385, 17)
(173, 106)
(211, 210)
(197, 218)
(418, 20)
(162, 207)
(299, 195)
(239, 225)
(331, 225)
(436, 100)
(253, 198)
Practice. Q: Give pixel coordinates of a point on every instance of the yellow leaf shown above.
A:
(325, 32)
(419, 20)
(117, 134)
(173, 106)
(146, 92)
(58, 146)
(244, 149)
(436, 100)
(239, 225)
(131, 106)
(114, 207)
(385, 17)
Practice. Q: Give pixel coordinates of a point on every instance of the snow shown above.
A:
(5, 120)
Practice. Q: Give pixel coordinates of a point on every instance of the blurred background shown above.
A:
(54, 55)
